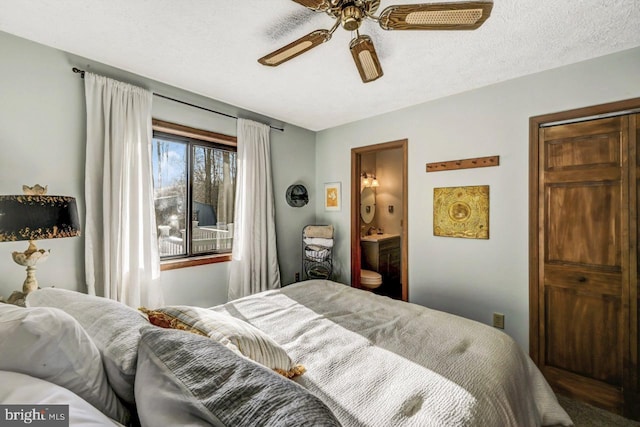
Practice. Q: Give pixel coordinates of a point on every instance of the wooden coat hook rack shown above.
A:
(477, 162)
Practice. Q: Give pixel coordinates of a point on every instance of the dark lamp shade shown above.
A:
(38, 217)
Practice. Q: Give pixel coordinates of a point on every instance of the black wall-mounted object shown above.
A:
(297, 195)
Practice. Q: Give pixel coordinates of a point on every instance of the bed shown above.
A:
(369, 360)
(382, 362)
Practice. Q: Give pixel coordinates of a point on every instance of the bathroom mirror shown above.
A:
(367, 205)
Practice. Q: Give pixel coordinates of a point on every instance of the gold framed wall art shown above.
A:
(332, 196)
(461, 212)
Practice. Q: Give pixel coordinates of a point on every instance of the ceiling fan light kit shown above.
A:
(351, 17)
(350, 14)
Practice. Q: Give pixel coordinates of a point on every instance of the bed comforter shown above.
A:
(381, 362)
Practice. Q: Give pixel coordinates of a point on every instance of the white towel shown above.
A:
(323, 231)
(316, 253)
(327, 243)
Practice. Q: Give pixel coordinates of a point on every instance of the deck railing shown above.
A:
(211, 238)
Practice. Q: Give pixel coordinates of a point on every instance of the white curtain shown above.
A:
(254, 266)
(121, 247)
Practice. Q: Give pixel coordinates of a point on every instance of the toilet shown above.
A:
(370, 280)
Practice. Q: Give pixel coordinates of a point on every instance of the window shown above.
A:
(194, 181)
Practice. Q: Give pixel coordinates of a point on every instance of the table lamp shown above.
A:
(36, 216)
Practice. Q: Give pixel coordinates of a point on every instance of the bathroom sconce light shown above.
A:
(369, 180)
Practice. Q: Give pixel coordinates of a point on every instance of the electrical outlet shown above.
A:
(297, 279)
(498, 320)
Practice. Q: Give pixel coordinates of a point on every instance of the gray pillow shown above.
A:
(188, 379)
(112, 326)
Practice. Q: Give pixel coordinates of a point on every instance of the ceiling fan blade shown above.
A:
(436, 16)
(366, 59)
(296, 48)
(317, 5)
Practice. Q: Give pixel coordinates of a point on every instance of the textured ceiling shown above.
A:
(211, 47)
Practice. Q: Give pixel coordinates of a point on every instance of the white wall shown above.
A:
(472, 278)
(42, 139)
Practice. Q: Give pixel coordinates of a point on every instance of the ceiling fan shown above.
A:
(350, 14)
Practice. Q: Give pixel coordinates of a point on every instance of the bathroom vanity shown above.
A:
(381, 253)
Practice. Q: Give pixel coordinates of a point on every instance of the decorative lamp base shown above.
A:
(29, 259)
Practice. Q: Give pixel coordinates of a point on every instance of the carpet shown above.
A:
(585, 415)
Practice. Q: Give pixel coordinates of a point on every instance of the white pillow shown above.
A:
(21, 389)
(49, 344)
(237, 335)
(112, 326)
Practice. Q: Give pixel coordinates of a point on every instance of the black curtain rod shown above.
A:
(81, 72)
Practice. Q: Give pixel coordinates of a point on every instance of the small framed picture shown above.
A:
(332, 196)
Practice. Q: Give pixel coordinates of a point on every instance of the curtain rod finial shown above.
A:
(77, 70)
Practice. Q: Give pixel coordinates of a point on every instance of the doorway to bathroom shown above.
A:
(379, 213)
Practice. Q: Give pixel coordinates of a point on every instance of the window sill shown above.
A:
(194, 261)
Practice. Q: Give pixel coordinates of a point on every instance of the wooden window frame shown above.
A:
(202, 135)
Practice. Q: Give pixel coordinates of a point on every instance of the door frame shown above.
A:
(356, 173)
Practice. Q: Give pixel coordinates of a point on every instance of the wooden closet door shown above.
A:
(584, 259)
